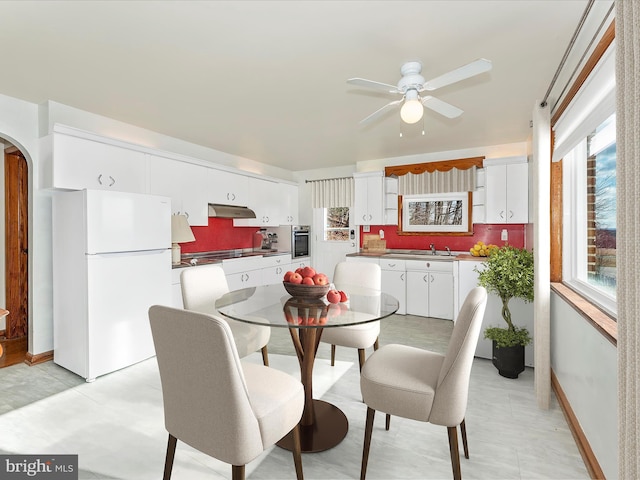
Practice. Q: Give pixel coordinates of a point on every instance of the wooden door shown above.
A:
(16, 243)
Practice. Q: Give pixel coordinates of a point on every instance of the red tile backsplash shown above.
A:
(219, 235)
(481, 232)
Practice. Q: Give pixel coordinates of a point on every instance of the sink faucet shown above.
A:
(448, 250)
(433, 249)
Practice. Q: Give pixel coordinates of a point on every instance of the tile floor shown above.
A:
(115, 424)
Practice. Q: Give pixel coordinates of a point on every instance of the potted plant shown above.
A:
(508, 272)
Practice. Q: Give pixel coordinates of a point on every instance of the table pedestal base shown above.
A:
(330, 426)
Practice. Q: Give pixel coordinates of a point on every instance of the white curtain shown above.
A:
(628, 225)
(542, 253)
(332, 192)
(454, 180)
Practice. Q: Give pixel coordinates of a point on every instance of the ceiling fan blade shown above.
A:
(380, 111)
(466, 71)
(362, 82)
(443, 108)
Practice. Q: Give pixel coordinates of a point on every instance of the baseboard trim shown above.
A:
(38, 358)
(588, 457)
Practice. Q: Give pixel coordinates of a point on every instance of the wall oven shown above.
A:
(300, 241)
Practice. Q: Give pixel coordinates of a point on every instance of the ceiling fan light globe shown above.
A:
(411, 111)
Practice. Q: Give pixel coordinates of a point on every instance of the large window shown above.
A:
(336, 224)
(585, 141)
(590, 216)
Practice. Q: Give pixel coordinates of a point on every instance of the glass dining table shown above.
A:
(323, 425)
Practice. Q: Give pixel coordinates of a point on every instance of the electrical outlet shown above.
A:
(504, 236)
(366, 228)
(381, 233)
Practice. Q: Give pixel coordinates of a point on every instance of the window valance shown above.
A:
(436, 177)
(332, 192)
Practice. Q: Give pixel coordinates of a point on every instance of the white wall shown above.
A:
(585, 364)
(489, 151)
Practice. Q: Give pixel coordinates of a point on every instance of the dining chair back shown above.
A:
(423, 385)
(201, 287)
(362, 274)
(213, 402)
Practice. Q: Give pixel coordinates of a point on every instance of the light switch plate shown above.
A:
(504, 236)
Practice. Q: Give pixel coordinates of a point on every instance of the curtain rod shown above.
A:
(566, 53)
(324, 179)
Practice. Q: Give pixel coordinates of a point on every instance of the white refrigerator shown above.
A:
(111, 262)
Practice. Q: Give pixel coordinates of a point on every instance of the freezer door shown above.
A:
(126, 222)
(121, 288)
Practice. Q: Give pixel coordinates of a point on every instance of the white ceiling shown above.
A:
(266, 80)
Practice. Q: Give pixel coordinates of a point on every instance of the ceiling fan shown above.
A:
(412, 85)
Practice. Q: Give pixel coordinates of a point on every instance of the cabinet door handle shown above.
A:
(510, 213)
(424, 279)
(233, 196)
(113, 181)
(402, 277)
(432, 278)
(100, 179)
(364, 217)
(501, 213)
(370, 217)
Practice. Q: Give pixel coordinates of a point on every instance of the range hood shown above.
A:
(230, 211)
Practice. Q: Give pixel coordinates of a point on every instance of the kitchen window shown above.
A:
(336, 224)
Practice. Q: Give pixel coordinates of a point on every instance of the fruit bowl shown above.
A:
(306, 291)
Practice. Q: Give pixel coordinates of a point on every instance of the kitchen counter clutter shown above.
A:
(218, 256)
(243, 268)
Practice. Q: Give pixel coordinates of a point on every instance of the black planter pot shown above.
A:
(508, 360)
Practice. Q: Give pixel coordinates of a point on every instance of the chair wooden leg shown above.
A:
(168, 462)
(237, 472)
(387, 422)
(455, 454)
(333, 355)
(265, 356)
(368, 429)
(376, 344)
(297, 456)
(465, 447)
(361, 357)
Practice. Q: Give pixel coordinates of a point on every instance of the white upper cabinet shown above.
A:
(288, 212)
(507, 190)
(186, 184)
(265, 200)
(369, 198)
(228, 188)
(78, 163)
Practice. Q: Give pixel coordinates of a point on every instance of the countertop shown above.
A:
(418, 255)
(205, 258)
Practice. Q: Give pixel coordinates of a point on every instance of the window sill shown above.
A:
(603, 322)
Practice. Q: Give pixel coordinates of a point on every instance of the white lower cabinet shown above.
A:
(301, 263)
(394, 281)
(274, 268)
(430, 288)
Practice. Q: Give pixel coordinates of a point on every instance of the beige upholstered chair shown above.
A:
(201, 287)
(423, 385)
(227, 409)
(362, 274)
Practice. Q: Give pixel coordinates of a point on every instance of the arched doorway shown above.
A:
(14, 337)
